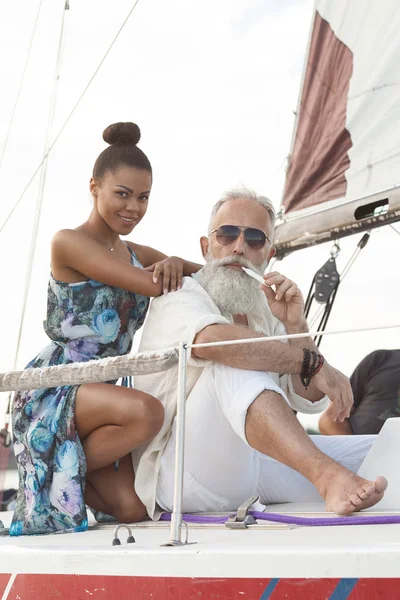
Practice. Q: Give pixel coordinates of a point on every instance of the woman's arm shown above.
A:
(149, 256)
(191, 267)
(72, 249)
(170, 268)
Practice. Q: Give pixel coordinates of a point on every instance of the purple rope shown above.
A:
(289, 520)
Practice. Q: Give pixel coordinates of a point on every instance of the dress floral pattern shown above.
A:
(85, 321)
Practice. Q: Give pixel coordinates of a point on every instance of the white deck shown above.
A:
(260, 551)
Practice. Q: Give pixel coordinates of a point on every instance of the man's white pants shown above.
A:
(221, 469)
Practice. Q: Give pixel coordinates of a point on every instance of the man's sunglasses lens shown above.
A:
(227, 234)
(255, 238)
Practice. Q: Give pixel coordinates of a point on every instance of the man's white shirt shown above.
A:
(180, 316)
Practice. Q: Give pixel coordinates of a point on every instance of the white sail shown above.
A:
(345, 153)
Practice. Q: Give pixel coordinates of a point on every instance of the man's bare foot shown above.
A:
(345, 492)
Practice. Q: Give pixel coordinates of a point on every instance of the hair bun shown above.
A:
(128, 133)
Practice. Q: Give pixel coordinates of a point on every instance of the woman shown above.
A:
(73, 444)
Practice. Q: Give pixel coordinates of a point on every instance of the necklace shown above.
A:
(104, 243)
(113, 248)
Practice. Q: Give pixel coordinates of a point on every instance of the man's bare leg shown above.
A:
(272, 428)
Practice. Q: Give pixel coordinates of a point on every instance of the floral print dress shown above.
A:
(85, 320)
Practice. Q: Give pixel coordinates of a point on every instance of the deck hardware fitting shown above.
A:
(242, 519)
(178, 542)
(129, 540)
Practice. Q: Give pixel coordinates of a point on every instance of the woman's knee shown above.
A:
(128, 511)
(145, 415)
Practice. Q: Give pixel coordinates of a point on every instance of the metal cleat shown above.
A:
(242, 519)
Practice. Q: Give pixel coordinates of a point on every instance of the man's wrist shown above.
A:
(301, 327)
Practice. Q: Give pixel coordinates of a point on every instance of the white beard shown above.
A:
(232, 290)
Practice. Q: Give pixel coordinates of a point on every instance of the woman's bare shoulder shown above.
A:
(69, 235)
(70, 242)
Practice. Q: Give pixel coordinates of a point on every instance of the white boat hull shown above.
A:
(261, 562)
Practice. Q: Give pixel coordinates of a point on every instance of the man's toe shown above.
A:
(355, 499)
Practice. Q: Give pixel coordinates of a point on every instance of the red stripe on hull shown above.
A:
(97, 587)
(376, 589)
(4, 579)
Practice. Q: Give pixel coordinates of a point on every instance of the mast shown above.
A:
(43, 173)
(5, 436)
(4, 433)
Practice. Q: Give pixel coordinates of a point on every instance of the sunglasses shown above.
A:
(255, 238)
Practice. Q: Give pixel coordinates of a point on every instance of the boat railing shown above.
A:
(176, 518)
(106, 369)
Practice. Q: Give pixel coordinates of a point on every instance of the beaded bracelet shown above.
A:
(312, 364)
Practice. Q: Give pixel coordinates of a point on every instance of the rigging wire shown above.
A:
(38, 211)
(69, 116)
(394, 229)
(39, 202)
(14, 110)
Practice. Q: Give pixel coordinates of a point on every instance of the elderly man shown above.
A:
(242, 437)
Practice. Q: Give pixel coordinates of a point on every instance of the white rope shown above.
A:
(106, 369)
(291, 336)
(93, 371)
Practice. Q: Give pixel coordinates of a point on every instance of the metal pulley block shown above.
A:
(326, 280)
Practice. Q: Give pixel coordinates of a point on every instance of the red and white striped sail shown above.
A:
(344, 163)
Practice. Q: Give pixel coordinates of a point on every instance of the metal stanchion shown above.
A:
(176, 519)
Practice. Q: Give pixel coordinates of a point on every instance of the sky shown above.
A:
(213, 86)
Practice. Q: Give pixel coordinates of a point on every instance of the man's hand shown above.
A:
(286, 302)
(337, 387)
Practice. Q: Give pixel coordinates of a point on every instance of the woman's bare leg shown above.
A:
(93, 499)
(113, 420)
(112, 491)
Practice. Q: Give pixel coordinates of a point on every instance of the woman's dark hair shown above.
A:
(122, 152)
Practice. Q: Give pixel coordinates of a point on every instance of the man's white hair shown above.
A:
(242, 192)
